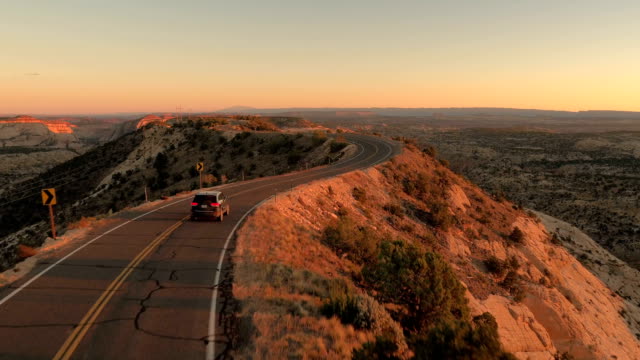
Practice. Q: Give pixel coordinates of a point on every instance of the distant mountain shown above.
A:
(238, 109)
(442, 111)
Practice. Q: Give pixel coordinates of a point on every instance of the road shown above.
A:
(151, 285)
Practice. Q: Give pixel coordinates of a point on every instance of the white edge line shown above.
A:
(211, 336)
(37, 276)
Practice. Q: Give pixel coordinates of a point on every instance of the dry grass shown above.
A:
(287, 336)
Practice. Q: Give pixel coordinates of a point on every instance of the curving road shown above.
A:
(150, 285)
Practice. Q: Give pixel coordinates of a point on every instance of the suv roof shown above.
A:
(209, 193)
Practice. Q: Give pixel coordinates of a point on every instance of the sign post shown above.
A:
(200, 167)
(49, 199)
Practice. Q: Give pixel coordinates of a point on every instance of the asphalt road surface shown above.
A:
(151, 284)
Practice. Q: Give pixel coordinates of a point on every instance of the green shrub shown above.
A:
(359, 194)
(361, 311)
(430, 150)
(513, 263)
(516, 236)
(513, 283)
(345, 237)
(476, 340)
(336, 146)
(496, 266)
(161, 162)
(343, 306)
(262, 125)
(422, 282)
(440, 216)
(394, 209)
(381, 349)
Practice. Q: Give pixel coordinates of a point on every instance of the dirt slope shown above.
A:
(544, 301)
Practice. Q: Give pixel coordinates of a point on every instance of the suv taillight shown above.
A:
(215, 204)
(194, 204)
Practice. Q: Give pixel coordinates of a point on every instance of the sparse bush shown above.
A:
(500, 267)
(342, 211)
(262, 125)
(345, 237)
(161, 162)
(359, 194)
(513, 263)
(500, 196)
(383, 348)
(345, 307)
(478, 340)
(470, 233)
(336, 146)
(407, 227)
(439, 216)
(496, 266)
(361, 311)
(394, 209)
(533, 216)
(516, 236)
(430, 150)
(513, 283)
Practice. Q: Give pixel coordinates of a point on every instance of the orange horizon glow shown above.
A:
(78, 58)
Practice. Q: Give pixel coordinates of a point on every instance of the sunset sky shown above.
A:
(116, 56)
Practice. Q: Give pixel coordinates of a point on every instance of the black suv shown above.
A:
(209, 204)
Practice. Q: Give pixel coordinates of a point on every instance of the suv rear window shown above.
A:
(200, 199)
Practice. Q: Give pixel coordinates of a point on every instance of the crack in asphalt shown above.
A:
(143, 309)
(227, 309)
(173, 276)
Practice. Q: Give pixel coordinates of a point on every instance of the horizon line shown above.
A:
(323, 108)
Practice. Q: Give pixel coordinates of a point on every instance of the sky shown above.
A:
(89, 56)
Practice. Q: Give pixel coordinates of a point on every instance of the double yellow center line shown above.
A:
(89, 319)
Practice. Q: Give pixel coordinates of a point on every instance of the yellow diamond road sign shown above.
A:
(49, 197)
(200, 166)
